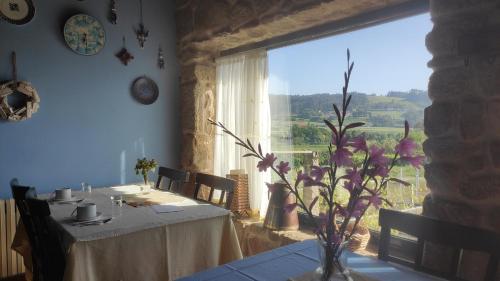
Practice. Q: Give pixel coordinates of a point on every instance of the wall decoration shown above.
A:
(84, 34)
(123, 55)
(161, 59)
(142, 33)
(113, 17)
(145, 90)
(17, 11)
(31, 100)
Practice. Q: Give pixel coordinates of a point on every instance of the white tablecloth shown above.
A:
(142, 244)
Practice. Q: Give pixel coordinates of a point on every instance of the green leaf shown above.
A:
(250, 154)
(405, 183)
(337, 111)
(354, 125)
(407, 129)
(332, 127)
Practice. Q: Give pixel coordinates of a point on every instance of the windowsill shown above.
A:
(254, 238)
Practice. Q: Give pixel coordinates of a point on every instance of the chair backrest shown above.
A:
(427, 229)
(173, 175)
(226, 186)
(47, 251)
(20, 193)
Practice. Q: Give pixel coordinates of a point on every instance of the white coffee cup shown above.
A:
(63, 193)
(86, 211)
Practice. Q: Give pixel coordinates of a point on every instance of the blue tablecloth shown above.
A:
(296, 259)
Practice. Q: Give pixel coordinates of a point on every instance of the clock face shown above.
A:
(84, 34)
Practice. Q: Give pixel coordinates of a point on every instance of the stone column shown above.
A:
(463, 122)
(197, 106)
(312, 192)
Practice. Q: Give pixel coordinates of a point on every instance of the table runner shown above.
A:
(144, 245)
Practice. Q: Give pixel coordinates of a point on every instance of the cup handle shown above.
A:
(73, 213)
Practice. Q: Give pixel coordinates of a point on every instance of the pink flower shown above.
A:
(415, 161)
(358, 209)
(376, 201)
(341, 157)
(349, 185)
(354, 176)
(356, 212)
(290, 207)
(342, 143)
(406, 147)
(358, 143)
(377, 156)
(303, 177)
(317, 173)
(266, 162)
(379, 170)
(283, 167)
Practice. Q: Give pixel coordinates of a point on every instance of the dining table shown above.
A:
(155, 235)
(295, 261)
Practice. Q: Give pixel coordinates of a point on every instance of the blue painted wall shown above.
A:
(89, 128)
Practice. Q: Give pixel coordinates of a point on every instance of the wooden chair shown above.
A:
(219, 183)
(457, 237)
(47, 252)
(174, 176)
(20, 193)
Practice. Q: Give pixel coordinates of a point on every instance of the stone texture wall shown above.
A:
(463, 122)
(206, 27)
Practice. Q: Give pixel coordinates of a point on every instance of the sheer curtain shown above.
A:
(242, 105)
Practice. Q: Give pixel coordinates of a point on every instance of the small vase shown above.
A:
(333, 266)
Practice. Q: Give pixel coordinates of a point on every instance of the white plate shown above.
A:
(96, 218)
(73, 199)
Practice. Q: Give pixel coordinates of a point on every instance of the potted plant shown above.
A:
(144, 166)
(364, 180)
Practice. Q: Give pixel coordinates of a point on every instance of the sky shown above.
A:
(390, 56)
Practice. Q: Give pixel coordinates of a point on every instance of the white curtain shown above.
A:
(242, 105)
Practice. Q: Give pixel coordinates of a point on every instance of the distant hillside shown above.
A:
(376, 111)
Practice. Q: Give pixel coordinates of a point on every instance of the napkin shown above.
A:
(166, 208)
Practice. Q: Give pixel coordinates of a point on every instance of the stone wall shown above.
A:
(463, 122)
(205, 28)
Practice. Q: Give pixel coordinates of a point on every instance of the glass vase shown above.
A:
(333, 263)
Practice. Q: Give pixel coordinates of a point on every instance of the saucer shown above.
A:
(96, 218)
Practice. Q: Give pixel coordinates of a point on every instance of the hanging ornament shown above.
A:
(142, 33)
(161, 59)
(123, 55)
(112, 14)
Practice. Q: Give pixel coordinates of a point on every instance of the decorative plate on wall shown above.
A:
(17, 11)
(84, 34)
(145, 90)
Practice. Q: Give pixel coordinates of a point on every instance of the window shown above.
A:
(389, 85)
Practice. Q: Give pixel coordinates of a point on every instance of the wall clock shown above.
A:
(84, 34)
(145, 90)
(17, 11)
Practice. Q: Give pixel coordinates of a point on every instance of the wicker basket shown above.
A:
(241, 201)
(359, 240)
